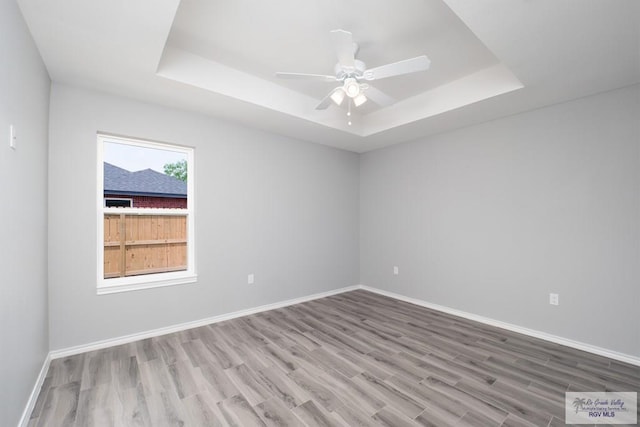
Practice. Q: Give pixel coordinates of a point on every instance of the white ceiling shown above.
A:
(490, 58)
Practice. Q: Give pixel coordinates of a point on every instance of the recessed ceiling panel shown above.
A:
(258, 39)
(261, 38)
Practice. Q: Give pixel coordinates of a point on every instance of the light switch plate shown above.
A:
(12, 137)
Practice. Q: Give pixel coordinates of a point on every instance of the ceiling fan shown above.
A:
(352, 73)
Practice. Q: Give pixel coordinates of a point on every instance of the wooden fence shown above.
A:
(144, 244)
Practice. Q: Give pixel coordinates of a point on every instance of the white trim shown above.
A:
(627, 358)
(56, 354)
(137, 283)
(146, 211)
(33, 397)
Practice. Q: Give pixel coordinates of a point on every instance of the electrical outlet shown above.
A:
(250, 279)
(396, 271)
(554, 299)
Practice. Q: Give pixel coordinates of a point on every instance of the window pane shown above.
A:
(144, 183)
(150, 177)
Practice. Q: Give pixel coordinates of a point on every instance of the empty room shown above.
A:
(319, 213)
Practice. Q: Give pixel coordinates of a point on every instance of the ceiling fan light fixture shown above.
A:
(351, 87)
(359, 99)
(338, 96)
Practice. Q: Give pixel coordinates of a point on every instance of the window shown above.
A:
(145, 214)
(111, 202)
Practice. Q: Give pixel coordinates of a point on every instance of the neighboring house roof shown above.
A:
(142, 183)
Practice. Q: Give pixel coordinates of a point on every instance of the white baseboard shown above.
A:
(633, 360)
(70, 351)
(33, 397)
(627, 358)
(97, 345)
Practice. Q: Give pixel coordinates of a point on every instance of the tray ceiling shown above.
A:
(488, 59)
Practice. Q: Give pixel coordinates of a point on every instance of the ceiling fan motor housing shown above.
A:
(357, 71)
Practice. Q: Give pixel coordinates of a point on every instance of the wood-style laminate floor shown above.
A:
(354, 359)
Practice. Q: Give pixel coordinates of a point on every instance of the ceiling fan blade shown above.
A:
(303, 76)
(345, 48)
(419, 63)
(379, 97)
(326, 101)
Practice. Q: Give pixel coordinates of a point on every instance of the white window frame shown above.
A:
(153, 280)
(104, 204)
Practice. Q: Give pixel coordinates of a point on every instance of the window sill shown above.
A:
(138, 283)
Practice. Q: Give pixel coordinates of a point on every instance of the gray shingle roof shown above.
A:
(142, 183)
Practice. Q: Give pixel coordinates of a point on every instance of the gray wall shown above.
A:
(24, 102)
(492, 218)
(282, 209)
